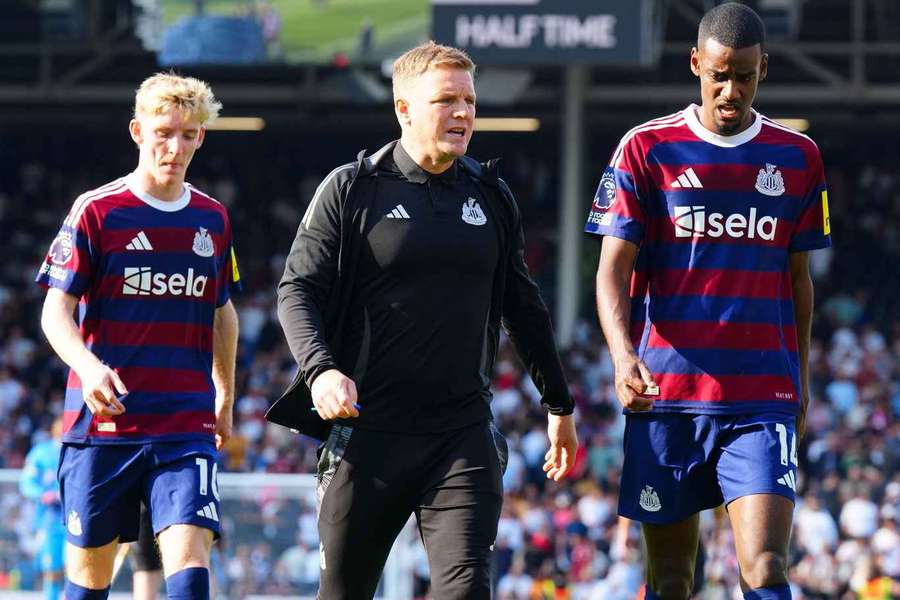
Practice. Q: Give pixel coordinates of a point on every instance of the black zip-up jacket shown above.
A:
(316, 291)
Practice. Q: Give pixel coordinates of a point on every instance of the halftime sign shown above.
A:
(549, 32)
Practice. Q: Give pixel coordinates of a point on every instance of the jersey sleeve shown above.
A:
(229, 276)
(618, 206)
(71, 261)
(813, 227)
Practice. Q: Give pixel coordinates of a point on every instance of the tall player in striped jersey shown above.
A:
(147, 260)
(705, 299)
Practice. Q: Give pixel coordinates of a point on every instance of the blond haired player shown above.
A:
(147, 261)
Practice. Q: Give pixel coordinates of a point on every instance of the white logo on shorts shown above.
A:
(322, 556)
(650, 500)
(73, 523)
(209, 511)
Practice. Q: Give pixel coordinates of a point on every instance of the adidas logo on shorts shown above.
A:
(209, 511)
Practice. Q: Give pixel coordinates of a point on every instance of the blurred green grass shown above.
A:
(315, 30)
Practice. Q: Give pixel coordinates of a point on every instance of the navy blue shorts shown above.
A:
(102, 488)
(677, 464)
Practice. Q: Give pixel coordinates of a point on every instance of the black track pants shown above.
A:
(371, 481)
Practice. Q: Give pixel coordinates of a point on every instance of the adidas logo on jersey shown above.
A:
(209, 511)
(398, 213)
(139, 242)
(790, 480)
(142, 281)
(692, 221)
(688, 179)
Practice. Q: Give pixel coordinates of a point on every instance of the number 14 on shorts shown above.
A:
(781, 428)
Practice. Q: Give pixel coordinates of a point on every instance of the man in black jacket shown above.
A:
(403, 268)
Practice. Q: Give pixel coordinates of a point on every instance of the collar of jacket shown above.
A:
(486, 172)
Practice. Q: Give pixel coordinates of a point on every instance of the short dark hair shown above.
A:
(734, 25)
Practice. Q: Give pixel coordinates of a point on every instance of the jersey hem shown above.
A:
(744, 408)
(94, 441)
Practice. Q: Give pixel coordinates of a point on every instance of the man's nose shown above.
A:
(174, 144)
(729, 90)
(462, 111)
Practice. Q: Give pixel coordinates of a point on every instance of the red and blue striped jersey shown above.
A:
(149, 276)
(716, 218)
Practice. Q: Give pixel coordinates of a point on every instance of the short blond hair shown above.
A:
(427, 56)
(166, 91)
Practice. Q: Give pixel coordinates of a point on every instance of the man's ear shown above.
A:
(401, 109)
(763, 67)
(134, 128)
(695, 61)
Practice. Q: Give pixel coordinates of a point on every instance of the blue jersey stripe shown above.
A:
(164, 262)
(153, 402)
(168, 357)
(152, 310)
(734, 256)
(146, 217)
(702, 153)
(721, 308)
(711, 361)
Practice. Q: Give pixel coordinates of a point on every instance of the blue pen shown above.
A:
(356, 406)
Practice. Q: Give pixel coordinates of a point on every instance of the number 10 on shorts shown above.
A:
(203, 465)
(781, 428)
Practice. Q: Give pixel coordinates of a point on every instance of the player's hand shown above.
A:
(224, 423)
(101, 387)
(560, 458)
(633, 381)
(334, 395)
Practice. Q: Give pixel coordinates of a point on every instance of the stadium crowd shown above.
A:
(556, 540)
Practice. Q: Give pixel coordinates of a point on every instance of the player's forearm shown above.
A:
(225, 335)
(614, 310)
(614, 301)
(59, 327)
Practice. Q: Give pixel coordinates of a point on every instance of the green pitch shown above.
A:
(313, 31)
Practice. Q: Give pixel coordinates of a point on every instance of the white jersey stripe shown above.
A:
(618, 155)
(683, 181)
(403, 211)
(201, 193)
(90, 193)
(628, 135)
(310, 210)
(771, 123)
(633, 130)
(82, 202)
